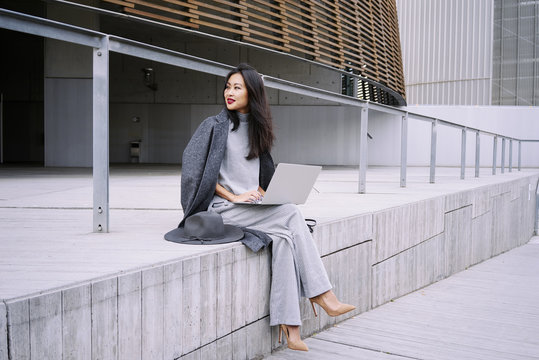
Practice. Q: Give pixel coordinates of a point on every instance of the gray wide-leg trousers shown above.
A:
(297, 269)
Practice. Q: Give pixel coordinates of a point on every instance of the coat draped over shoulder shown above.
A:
(201, 163)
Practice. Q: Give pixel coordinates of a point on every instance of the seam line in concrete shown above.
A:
(62, 322)
(222, 337)
(92, 320)
(370, 349)
(457, 209)
(29, 329)
(411, 247)
(8, 328)
(345, 248)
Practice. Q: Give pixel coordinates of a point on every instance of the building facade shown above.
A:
(344, 47)
(515, 76)
(481, 52)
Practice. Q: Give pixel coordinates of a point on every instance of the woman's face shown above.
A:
(236, 94)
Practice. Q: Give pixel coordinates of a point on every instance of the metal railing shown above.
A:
(103, 44)
(435, 122)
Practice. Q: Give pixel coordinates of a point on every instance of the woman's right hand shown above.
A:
(249, 196)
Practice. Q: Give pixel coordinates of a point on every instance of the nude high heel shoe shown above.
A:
(331, 305)
(297, 345)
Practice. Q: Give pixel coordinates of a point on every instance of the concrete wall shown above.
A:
(215, 306)
(169, 115)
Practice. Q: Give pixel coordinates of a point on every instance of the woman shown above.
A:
(228, 160)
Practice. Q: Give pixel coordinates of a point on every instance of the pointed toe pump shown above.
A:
(331, 305)
(294, 345)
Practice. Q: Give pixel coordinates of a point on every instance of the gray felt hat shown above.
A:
(205, 228)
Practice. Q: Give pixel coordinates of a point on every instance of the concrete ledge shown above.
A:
(215, 305)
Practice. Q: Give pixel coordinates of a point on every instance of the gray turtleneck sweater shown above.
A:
(237, 174)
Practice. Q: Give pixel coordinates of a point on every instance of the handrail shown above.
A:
(102, 44)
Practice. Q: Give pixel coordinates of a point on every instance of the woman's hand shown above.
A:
(249, 196)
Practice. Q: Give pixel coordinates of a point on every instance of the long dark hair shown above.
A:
(260, 124)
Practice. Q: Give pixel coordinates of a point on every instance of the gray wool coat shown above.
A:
(201, 163)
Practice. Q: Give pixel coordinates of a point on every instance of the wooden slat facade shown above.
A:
(358, 36)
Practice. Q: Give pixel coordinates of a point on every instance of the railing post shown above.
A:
(101, 137)
(519, 154)
(477, 153)
(463, 154)
(363, 148)
(494, 153)
(510, 155)
(503, 155)
(433, 151)
(404, 148)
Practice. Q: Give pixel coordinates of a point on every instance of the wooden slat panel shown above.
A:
(331, 32)
(216, 8)
(251, 7)
(324, 61)
(360, 36)
(265, 43)
(332, 46)
(265, 23)
(270, 29)
(303, 50)
(159, 7)
(308, 22)
(181, 3)
(264, 19)
(120, 2)
(159, 17)
(230, 3)
(301, 25)
(328, 35)
(260, 33)
(216, 17)
(224, 28)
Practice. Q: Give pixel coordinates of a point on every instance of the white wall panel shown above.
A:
(447, 50)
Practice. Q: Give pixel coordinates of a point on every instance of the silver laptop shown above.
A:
(290, 184)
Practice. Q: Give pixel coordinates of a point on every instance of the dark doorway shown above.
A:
(21, 89)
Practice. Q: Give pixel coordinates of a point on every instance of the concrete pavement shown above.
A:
(489, 311)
